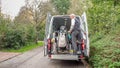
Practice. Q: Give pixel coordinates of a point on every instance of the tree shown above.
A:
(61, 6)
(40, 9)
(24, 16)
(79, 6)
(34, 13)
(0, 8)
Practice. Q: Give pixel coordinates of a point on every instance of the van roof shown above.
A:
(64, 15)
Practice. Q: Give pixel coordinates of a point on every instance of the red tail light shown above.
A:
(81, 56)
(49, 44)
(83, 45)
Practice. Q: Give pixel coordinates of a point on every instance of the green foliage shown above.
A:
(25, 48)
(103, 20)
(105, 52)
(41, 34)
(15, 35)
(14, 39)
(102, 16)
(24, 29)
(3, 28)
(79, 6)
(30, 34)
(62, 6)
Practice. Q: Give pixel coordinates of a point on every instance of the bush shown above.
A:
(3, 29)
(15, 35)
(103, 21)
(30, 34)
(14, 39)
(41, 35)
(104, 52)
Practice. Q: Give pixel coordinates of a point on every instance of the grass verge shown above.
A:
(25, 48)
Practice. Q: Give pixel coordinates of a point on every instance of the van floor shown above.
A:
(62, 52)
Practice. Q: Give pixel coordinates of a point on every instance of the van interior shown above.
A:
(57, 22)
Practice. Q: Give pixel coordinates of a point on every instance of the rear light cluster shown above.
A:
(49, 44)
(83, 44)
(83, 48)
(49, 47)
(81, 56)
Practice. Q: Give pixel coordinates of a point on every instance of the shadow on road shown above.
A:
(67, 63)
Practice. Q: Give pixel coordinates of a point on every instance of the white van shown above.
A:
(57, 39)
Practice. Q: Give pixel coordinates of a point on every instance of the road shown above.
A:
(36, 59)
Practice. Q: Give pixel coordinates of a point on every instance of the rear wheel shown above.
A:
(87, 59)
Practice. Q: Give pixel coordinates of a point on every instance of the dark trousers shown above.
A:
(76, 35)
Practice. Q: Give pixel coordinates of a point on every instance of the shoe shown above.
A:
(78, 52)
(71, 51)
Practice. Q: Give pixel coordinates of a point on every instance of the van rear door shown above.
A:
(46, 33)
(84, 20)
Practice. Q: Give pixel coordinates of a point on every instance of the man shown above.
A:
(75, 32)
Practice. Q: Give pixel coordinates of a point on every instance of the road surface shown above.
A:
(36, 59)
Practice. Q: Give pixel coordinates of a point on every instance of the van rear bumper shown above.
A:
(65, 57)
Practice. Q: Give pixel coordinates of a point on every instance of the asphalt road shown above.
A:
(36, 59)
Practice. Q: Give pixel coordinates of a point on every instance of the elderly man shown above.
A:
(75, 32)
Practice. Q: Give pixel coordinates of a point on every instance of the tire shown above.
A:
(87, 59)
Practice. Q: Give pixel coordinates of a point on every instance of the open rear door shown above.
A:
(46, 33)
(84, 20)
